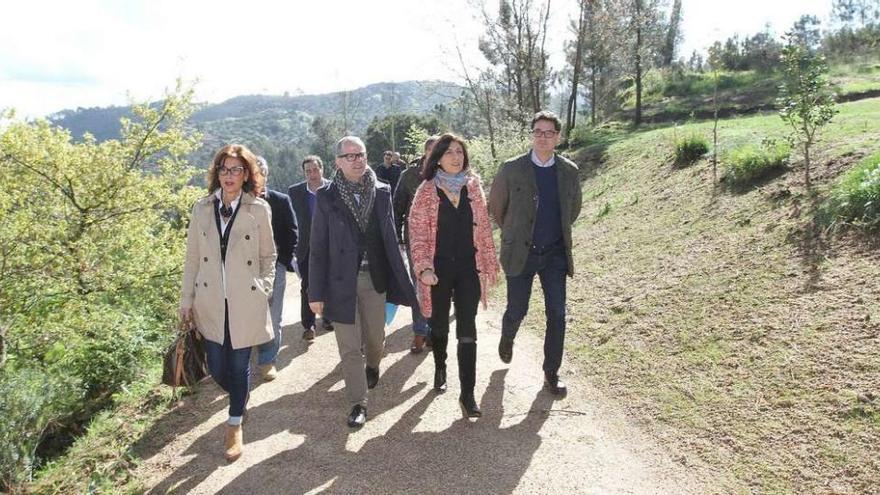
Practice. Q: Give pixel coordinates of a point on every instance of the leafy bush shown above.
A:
(690, 148)
(856, 198)
(33, 399)
(749, 163)
(92, 240)
(510, 141)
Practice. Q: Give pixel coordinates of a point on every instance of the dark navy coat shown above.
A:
(333, 257)
(283, 225)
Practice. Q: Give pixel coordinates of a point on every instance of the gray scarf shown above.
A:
(365, 189)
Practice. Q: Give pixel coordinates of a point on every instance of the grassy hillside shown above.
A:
(726, 323)
(675, 96)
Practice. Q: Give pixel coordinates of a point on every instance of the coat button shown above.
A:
(247, 237)
(205, 258)
(253, 287)
(249, 263)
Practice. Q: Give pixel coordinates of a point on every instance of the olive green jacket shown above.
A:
(513, 204)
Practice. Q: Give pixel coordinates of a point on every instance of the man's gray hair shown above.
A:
(264, 166)
(349, 139)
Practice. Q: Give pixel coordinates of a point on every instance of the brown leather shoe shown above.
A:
(418, 344)
(234, 442)
(269, 372)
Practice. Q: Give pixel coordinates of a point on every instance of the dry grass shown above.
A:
(729, 324)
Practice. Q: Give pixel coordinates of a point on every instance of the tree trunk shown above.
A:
(490, 126)
(638, 19)
(807, 164)
(593, 98)
(715, 133)
(571, 113)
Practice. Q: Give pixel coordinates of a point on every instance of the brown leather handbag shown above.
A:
(185, 363)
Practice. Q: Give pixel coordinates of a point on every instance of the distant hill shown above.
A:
(359, 105)
(279, 127)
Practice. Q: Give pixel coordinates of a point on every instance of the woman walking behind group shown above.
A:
(453, 258)
(228, 275)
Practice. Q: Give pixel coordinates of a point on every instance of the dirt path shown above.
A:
(415, 441)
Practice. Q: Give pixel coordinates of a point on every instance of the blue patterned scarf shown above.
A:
(451, 182)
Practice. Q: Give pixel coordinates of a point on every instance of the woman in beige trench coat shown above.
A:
(228, 275)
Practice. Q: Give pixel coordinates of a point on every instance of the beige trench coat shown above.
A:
(250, 271)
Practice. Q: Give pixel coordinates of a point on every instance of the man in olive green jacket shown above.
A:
(535, 199)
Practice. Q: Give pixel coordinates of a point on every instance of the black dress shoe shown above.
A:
(358, 416)
(327, 325)
(469, 408)
(372, 377)
(556, 386)
(440, 380)
(505, 349)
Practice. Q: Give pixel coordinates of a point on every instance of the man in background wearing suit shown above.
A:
(302, 197)
(284, 233)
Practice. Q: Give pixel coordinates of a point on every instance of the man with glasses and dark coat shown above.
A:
(355, 267)
(303, 196)
(535, 199)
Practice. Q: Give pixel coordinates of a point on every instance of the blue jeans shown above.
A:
(419, 322)
(230, 368)
(266, 353)
(551, 267)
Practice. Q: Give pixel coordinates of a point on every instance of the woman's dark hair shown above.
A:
(429, 170)
(255, 180)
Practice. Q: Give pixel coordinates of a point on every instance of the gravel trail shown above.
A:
(415, 440)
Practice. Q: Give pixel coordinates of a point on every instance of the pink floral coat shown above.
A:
(423, 238)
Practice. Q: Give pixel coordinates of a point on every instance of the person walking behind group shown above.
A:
(403, 196)
(535, 199)
(389, 171)
(228, 276)
(302, 197)
(284, 233)
(454, 258)
(355, 266)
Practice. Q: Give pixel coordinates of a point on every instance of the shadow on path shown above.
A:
(477, 457)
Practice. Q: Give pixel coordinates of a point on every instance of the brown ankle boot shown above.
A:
(233, 442)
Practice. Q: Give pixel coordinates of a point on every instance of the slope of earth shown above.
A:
(727, 322)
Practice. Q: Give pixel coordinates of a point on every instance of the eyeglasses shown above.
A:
(235, 171)
(352, 157)
(546, 134)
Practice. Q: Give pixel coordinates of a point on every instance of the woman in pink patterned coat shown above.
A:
(453, 258)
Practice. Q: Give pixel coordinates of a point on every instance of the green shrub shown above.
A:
(856, 198)
(510, 141)
(94, 257)
(690, 148)
(751, 162)
(32, 400)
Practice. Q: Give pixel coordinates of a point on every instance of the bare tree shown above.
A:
(577, 63)
(515, 43)
(481, 90)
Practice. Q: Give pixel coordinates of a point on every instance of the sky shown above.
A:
(83, 53)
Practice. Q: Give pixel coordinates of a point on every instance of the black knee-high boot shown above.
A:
(439, 351)
(467, 375)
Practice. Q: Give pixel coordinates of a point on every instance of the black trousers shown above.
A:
(461, 284)
(305, 312)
